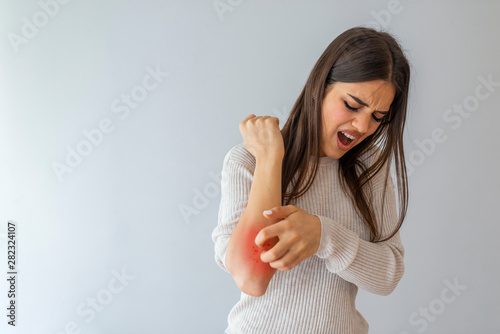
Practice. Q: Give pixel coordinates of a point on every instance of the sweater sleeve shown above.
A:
(375, 267)
(236, 181)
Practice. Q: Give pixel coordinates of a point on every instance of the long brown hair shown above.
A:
(357, 55)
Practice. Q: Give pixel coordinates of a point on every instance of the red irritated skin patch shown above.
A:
(252, 251)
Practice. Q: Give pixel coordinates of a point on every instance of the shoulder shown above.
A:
(239, 155)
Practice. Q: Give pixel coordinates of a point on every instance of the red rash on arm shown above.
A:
(243, 256)
(252, 251)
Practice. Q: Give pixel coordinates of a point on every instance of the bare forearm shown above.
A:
(243, 256)
(265, 192)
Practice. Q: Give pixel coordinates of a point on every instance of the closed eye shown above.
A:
(349, 107)
(356, 109)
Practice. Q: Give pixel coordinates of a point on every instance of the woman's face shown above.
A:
(351, 112)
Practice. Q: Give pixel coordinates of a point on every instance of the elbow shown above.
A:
(384, 290)
(251, 275)
(394, 276)
(252, 286)
(393, 283)
(387, 291)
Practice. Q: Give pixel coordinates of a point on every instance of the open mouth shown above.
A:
(345, 140)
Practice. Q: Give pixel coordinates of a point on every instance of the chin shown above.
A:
(335, 154)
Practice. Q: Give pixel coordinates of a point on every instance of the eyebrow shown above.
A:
(366, 104)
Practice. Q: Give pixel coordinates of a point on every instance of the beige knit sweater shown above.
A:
(317, 296)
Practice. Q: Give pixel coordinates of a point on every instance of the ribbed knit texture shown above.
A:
(317, 296)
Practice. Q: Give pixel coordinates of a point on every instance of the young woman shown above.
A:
(308, 214)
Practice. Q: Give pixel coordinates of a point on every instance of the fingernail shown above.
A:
(268, 212)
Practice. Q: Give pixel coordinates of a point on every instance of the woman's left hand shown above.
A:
(299, 235)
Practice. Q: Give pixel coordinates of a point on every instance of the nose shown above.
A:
(361, 122)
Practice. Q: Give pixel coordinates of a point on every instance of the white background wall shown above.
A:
(118, 211)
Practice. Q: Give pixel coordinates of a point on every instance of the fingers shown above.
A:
(274, 253)
(253, 117)
(249, 117)
(242, 123)
(287, 262)
(298, 235)
(267, 233)
(286, 253)
(281, 258)
(280, 211)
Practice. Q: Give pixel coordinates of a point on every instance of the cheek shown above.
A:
(334, 118)
(373, 127)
